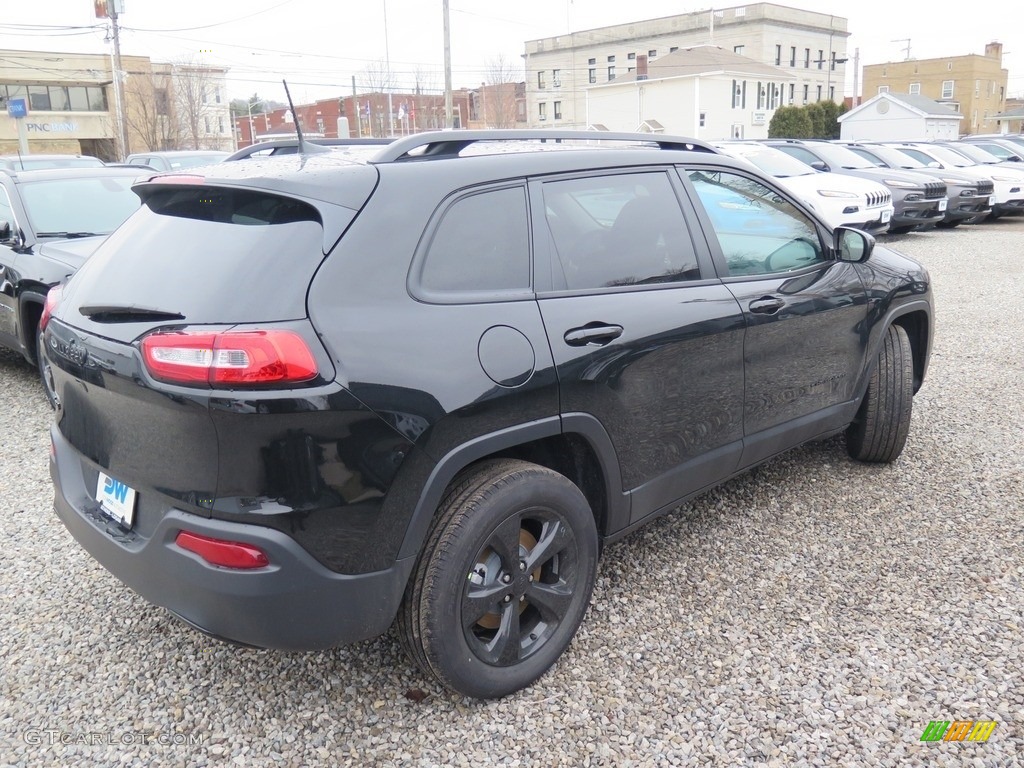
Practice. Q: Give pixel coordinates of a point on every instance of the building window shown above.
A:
(653, 53)
(821, 59)
(540, 79)
(558, 110)
(831, 93)
(807, 58)
(206, 123)
(949, 66)
(556, 78)
(592, 73)
(591, 61)
(883, 89)
(220, 125)
(947, 89)
(217, 92)
(778, 55)
(630, 70)
(38, 98)
(806, 92)
(611, 73)
(792, 92)
(703, 118)
(611, 59)
(631, 56)
(792, 56)
(738, 49)
(819, 93)
(542, 111)
(59, 99)
(743, 98)
(735, 94)
(915, 89)
(673, 49)
(833, 65)
(977, 89)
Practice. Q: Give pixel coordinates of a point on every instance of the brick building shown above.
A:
(973, 85)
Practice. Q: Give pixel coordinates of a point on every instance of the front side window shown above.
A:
(618, 230)
(481, 244)
(759, 231)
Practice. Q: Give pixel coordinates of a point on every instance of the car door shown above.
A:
(805, 310)
(645, 338)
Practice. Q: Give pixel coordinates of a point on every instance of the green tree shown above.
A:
(790, 123)
(824, 119)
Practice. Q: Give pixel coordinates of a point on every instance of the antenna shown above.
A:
(907, 48)
(304, 148)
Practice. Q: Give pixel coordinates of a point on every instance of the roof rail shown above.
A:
(445, 144)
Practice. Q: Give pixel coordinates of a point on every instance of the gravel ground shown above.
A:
(812, 612)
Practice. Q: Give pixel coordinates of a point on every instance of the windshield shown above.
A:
(774, 162)
(841, 157)
(57, 207)
(894, 158)
(977, 154)
(948, 157)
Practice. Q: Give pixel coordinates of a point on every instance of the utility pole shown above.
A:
(359, 116)
(856, 77)
(448, 118)
(122, 133)
(907, 49)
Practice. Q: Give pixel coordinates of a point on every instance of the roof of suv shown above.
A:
(316, 176)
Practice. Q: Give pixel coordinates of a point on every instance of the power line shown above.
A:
(215, 24)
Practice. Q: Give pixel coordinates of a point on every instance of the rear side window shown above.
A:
(619, 230)
(230, 206)
(480, 245)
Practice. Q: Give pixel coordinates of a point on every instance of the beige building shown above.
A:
(810, 47)
(73, 109)
(973, 85)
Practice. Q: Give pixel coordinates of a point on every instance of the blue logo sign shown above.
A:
(17, 108)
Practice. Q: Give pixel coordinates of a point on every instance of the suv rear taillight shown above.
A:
(52, 299)
(230, 358)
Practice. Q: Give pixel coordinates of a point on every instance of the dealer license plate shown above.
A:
(992, 201)
(886, 215)
(942, 204)
(116, 499)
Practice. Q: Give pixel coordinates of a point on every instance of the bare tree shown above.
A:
(377, 77)
(499, 95)
(148, 111)
(193, 87)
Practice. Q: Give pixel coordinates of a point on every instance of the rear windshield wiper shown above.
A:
(71, 235)
(119, 314)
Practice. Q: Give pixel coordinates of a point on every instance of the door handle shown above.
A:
(766, 305)
(596, 334)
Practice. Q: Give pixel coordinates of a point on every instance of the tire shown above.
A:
(44, 373)
(902, 230)
(948, 224)
(503, 580)
(880, 430)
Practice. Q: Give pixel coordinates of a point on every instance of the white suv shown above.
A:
(841, 200)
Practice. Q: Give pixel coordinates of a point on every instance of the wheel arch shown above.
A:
(30, 309)
(574, 445)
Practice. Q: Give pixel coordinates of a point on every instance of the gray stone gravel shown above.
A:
(812, 612)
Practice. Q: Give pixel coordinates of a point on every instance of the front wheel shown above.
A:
(503, 580)
(883, 422)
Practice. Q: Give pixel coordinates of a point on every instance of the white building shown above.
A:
(705, 92)
(900, 117)
(810, 46)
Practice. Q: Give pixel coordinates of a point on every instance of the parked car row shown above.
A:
(904, 185)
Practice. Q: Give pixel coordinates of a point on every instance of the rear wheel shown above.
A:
(503, 580)
(880, 430)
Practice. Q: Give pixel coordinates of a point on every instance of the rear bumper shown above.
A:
(293, 604)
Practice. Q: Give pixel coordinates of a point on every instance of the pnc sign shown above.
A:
(52, 127)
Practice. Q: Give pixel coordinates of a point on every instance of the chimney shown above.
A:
(994, 50)
(641, 66)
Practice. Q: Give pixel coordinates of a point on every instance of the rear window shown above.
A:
(209, 254)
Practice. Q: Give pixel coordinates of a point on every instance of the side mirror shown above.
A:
(819, 165)
(853, 245)
(934, 164)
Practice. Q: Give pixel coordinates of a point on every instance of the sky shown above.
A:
(319, 45)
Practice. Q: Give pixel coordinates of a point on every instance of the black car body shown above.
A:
(614, 329)
(969, 199)
(50, 221)
(919, 201)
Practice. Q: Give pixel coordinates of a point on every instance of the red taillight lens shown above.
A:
(233, 358)
(227, 554)
(52, 299)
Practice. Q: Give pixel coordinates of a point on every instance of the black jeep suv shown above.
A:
(300, 397)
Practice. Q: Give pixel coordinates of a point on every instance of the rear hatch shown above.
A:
(198, 256)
